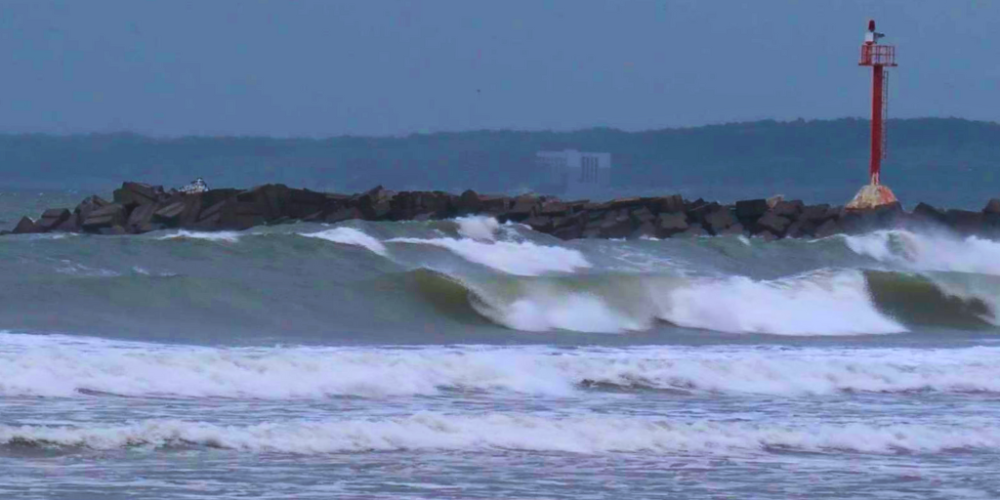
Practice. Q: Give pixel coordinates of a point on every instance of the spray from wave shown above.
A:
(929, 251)
(478, 227)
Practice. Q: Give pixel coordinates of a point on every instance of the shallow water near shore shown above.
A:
(471, 359)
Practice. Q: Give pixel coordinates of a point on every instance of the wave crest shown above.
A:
(929, 251)
(350, 236)
(41, 366)
(432, 431)
(522, 258)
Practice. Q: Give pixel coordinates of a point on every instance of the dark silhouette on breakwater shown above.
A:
(140, 208)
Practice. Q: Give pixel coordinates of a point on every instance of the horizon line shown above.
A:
(796, 121)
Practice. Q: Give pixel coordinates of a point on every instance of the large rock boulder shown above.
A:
(569, 232)
(26, 226)
(181, 210)
(89, 205)
(468, 203)
(540, 223)
(620, 203)
(775, 224)
(229, 214)
(52, 218)
(816, 214)
(927, 213)
(495, 205)
(133, 194)
(616, 224)
(670, 204)
(555, 208)
(300, 203)
(169, 215)
(343, 215)
(788, 209)
(411, 205)
(268, 201)
(70, 225)
(524, 207)
(213, 196)
(671, 224)
(751, 210)
(141, 219)
(801, 229)
(992, 207)
(828, 228)
(570, 227)
(642, 215)
(720, 219)
(404, 206)
(105, 217)
(700, 209)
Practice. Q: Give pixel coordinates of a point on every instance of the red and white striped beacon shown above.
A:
(878, 57)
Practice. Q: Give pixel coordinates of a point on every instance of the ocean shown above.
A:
(471, 359)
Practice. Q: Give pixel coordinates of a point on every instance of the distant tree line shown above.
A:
(830, 156)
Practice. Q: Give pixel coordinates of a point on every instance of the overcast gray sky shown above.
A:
(381, 67)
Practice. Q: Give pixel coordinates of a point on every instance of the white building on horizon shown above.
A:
(576, 171)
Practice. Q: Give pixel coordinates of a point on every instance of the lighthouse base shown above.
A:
(872, 196)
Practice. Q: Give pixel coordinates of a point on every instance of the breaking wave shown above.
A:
(53, 366)
(522, 258)
(224, 236)
(820, 303)
(929, 251)
(350, 236)
(478, 272)
(505, 432)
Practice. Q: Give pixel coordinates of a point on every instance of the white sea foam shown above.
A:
(541, 311)
(434, 431)
(224, 236)
(52, 236)
(350, 236)
(52, 366)
(519, 258)
(822, 303)
(929, 251)
(819, 303)
(478, 227)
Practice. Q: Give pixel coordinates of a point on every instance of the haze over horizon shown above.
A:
(319, 69)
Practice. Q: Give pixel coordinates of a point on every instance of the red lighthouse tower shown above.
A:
(878, 57)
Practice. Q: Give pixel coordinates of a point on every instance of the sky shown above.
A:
(385, 67)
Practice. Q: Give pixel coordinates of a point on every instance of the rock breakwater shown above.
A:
(138, 208)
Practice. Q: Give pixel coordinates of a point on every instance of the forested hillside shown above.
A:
(818, 159)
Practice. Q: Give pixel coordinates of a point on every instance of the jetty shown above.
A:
(138, 208)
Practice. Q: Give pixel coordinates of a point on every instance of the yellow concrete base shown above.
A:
(872, 196)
